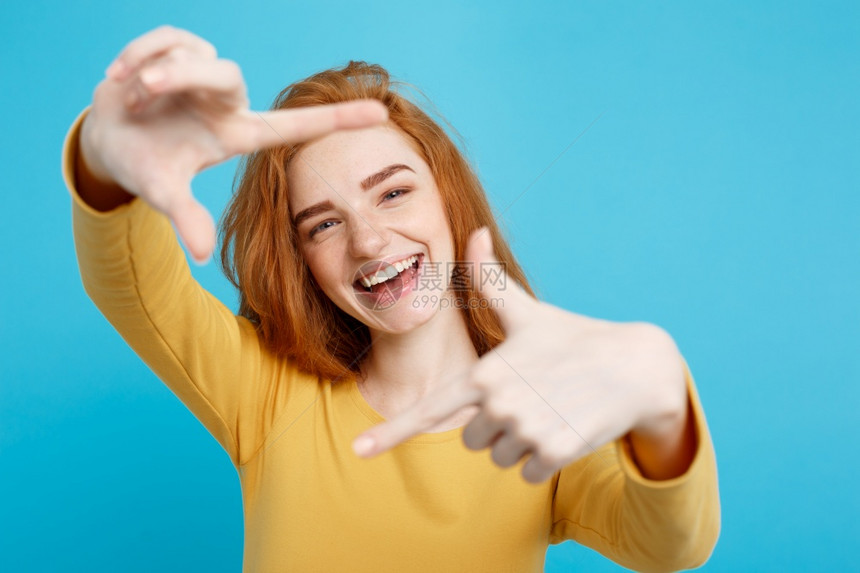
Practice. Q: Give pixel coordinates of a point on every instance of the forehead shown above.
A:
(341, 160)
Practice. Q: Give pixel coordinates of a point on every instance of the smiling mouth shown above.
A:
(378, 273)
(381, 284)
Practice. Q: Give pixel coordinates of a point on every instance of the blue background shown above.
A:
(716, 195)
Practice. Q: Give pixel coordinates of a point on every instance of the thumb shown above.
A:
(194, 225)
(490, 277)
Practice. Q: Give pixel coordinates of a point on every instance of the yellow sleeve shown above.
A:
(604, 502)
(136, 273)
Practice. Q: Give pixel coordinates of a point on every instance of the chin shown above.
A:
(402, 317)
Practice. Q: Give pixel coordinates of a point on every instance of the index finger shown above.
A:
(155, 42)
(512, 304)
(287, 126)
(426, 413)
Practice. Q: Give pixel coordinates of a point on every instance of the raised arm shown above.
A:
(168, 109)
(128, 162)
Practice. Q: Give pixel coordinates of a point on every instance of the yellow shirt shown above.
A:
(310, 504)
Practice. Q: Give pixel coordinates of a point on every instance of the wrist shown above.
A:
(663, 441)
(92, 185)
(666, 386)
(87, 159)
(667, 420)
(667, 452)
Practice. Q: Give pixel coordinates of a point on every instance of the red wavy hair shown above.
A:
(260, 252)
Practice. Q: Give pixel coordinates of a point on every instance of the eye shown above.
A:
(321, 227)
(395, 194)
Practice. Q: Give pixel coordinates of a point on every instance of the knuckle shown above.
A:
(175, 34)
(177, 53)
(500, 410)
(255, 133)
(138, 48)
(100, 91)
(652, 333)
(233, 69)
(530, 430)
(208, 50)
(560, 452)
(533, 444)
(544, 463)
(163, 31)
(199, 45)
(553, 458)
(162, 69)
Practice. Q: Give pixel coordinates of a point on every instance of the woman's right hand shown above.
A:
(170, 108)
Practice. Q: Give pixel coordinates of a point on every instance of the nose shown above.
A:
(367, 239)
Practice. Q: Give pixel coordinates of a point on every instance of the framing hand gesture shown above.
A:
(559, 387)
(170, 107)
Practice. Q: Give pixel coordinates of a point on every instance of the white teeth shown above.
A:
(388, 272)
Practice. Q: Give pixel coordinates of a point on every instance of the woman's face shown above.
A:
(368, 212)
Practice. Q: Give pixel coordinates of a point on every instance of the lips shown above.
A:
(385, 293)
(372, 268)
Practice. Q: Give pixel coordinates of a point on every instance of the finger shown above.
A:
(194, 225)
(534, 471)
(508, 450)
(153, 43)
(426, 413)
(489, 276)
(554, 454)
(482, 432)
(222, 77)
(296, 125)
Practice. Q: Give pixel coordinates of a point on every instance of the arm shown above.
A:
(605, 502)
(135, 271)
(667, 453)
(167, 109)
(96, 191)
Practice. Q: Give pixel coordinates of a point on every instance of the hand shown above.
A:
(170, 108)
(559, 387)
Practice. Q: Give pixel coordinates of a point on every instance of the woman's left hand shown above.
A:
(559, 387)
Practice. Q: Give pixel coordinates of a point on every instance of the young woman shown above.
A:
(391, 393)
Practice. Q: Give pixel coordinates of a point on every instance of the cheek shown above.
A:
(322, 270)
(440, 220)
(428, 215)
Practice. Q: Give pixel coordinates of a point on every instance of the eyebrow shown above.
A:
(382, 175)
(312, 211)
(368, 183)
